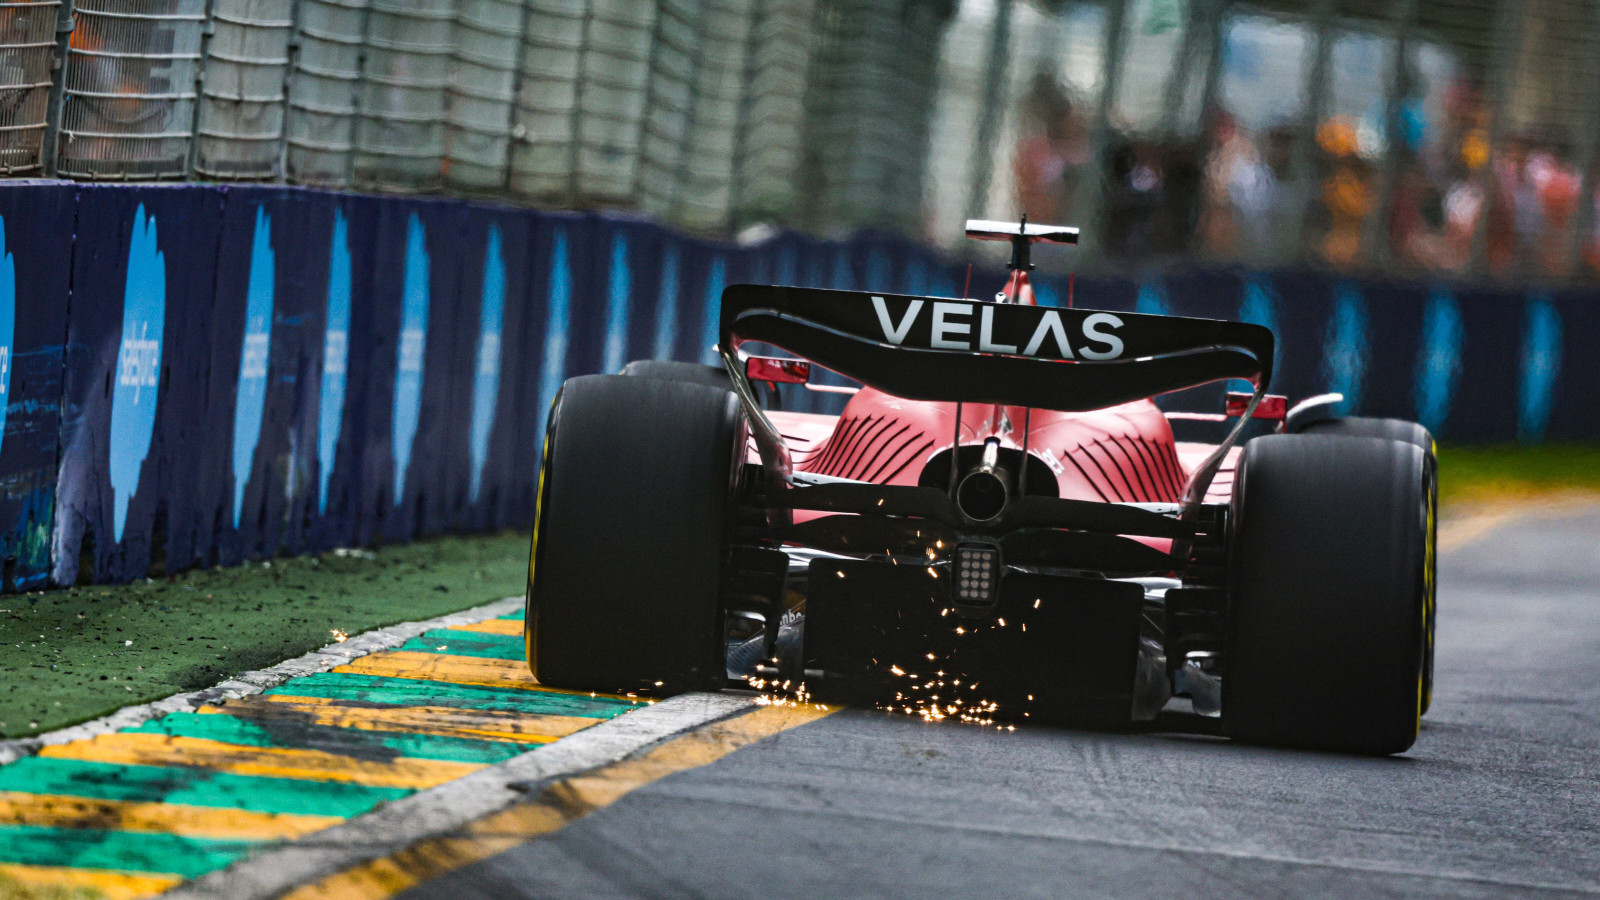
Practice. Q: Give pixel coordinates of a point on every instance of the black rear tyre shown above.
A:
(1332, 555)
(631, 532)
(672, 370)
(1410, 433)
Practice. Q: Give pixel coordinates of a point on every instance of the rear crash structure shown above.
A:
(1001, 525)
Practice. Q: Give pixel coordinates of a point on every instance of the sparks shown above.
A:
(339, 637)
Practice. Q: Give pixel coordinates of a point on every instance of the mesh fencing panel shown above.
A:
(405, 88)
(27, 48)
(483, 83)
(1408, 136)
(130, 88)
(242, 104)
(546, 103)
(324, 91)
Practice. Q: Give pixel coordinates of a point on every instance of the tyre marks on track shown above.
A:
(132, 813)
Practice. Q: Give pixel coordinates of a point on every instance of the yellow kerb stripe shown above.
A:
(53, 811)
(110, 885)
(500, 673)
(512, 627)
(560, 803)
(140, 749)
(492, 725)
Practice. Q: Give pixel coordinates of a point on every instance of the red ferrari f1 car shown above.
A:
(1001, 524)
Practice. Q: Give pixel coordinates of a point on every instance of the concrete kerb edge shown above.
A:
(395, 826)
(255, 682)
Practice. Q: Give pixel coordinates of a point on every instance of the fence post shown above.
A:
(1092, 199)
(58, 94)
(989, 117)
(1375, 231)
(1507, 35)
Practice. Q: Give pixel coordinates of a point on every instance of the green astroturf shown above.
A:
(1470, 475)
(80, 653)
(192, 787)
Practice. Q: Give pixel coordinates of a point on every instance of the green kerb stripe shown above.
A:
(347, 741)
(132, 851)
(469, 643)
(416, 692)
(194, 787)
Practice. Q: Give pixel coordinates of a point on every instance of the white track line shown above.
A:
(395, 826)
(257, 681)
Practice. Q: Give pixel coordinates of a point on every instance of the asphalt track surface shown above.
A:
(1500, 796)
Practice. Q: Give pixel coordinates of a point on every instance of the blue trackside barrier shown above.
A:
(196, 375)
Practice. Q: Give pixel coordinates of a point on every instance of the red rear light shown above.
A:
(777, 371)
(1273, 406)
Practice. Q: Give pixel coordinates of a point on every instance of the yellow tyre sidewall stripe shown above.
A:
(562, 802)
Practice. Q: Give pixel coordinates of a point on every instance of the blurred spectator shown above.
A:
(1347, 192)
(1052, 152)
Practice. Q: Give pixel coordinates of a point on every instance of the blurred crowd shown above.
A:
(1412, 188)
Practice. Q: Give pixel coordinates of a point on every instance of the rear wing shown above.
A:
(941, 349)
(966, 351)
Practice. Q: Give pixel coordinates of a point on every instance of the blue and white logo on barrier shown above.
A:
(619, 287)
(486, 383)
(557, 319)
(413, 347)
(788, 266)
(1259, 305)
(138, 377)
(916, 277)
(8, 324)
(1152, 299)
(880, 272)
(715, 282)
(667, 305)
(1541, 367)
(1438, 359)
(335, 355)
(251, 402)
(843, 278)
(1344, 352)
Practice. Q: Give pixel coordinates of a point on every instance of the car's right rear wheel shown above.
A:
(630, 536)
(1411, 433)
(1330, 571)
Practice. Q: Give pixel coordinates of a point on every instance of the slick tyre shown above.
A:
(1410, 433)
(635, 500)
(1331, 567)
(671, 370)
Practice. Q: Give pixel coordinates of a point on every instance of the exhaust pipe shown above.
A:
(983, 494)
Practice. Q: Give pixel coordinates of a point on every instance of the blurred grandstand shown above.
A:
(1389, 136)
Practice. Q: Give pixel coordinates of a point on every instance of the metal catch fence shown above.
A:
(130, 89)
(1409, 136)
(27, 50)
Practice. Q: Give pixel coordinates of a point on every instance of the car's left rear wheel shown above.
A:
(631, 533)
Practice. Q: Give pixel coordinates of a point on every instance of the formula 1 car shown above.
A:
(1000, 526)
